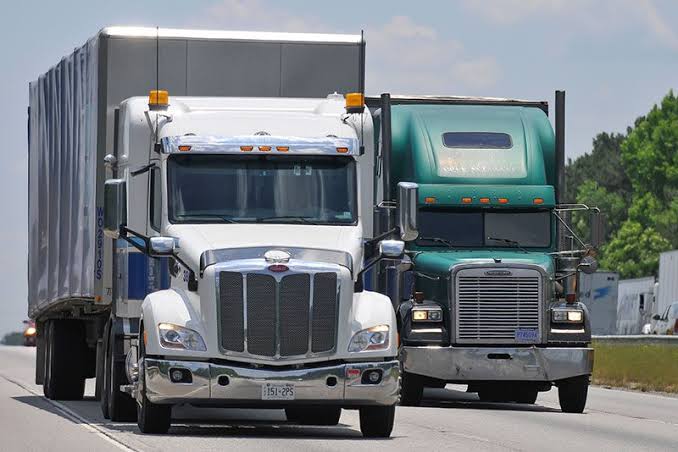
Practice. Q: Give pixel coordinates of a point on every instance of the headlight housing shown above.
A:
(178, 337)
(375, 338)
(567, 316)
(427, 314)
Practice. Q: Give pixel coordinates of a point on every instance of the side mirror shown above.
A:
(161, 246)
(597, 221)
(656, 317)
(391, 248)
(408, 194)
(588, 265)
(115, 207)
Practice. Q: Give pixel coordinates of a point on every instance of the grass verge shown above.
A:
(644, 367)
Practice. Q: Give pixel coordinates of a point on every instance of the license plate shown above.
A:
(277, 391)
(527, 335)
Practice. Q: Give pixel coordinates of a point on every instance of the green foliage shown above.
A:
(634, 250)
(15, 338)
(633, 179)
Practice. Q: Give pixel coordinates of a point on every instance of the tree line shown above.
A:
(633, 178)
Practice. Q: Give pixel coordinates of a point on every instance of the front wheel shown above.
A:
(377, 421)
(411, 389)
(151, 417)
(572, 394)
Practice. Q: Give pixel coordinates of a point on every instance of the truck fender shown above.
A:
(168, 306)
(372, 309)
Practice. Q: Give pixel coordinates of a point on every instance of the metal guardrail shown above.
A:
(638, 339)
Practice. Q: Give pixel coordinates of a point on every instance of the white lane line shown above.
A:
(73, 416)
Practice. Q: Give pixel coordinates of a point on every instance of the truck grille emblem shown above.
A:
(498, 273)
(277, 256)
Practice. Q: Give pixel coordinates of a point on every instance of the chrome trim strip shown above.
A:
(211, 257)
(232, 145)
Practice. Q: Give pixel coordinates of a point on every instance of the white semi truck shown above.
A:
(206, 246)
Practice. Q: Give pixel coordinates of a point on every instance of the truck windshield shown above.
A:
(261, 188)
(492, 229)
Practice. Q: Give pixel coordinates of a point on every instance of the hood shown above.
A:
(194, 239)
(440, 262)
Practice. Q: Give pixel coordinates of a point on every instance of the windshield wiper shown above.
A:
(437, 240)
(286, 217)
(223, 218)
(510, 242)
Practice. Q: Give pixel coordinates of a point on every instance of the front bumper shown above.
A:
(338, 384)
(498, 363)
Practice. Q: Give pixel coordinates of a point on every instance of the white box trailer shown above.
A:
(72, 114)
(598, 291)
(667, 290)
(635, 305)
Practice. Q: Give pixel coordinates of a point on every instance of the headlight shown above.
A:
(375, 338)
(427, 314)
(567, 316)
(178, 337)
(30, 331)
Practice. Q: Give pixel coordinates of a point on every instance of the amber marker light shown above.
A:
(246, 148)
(538, 201)
(484, 200)
(282, 148)
(466, 200)
(184, 148)
(355, 103)
(430, 200)
(503, 200)
(342, 150)
(158, 99)
(264, 148)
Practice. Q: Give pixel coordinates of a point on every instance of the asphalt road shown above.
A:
(450, 420)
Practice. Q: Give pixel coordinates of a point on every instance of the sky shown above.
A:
(615, 58)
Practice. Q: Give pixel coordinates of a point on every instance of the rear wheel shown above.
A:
(151, 417)
(411, 389)
(65, 354)
(313, 415)
(121, 407)
(572, 394)
(377, 421)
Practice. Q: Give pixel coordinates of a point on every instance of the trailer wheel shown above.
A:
(151, 417)
(572, 394)
(313, 415)
(377, 421)
(121, 407)
(64, 372)
(411, 389)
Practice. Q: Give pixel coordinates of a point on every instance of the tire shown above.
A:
(526, 395)
(121, 407)
(64, 370)
(151, 418)
(411, 389)
(377, 421)
(572, 394)
(313, 415)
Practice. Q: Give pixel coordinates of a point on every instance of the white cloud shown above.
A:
(402, 55)
(593, 17)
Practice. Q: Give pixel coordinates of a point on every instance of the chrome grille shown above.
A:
(498, 305)
(294, 314)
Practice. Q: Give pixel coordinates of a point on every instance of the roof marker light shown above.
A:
(503, 200)
(355, 102)
(158, 99)
(484, 200)
(184, 148)
(466, 200)
(342, 150)
(538, 201)
(264, 148)
(282, 148)
(246, 148)
(430, 200)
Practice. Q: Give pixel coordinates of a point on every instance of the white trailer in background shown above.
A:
(667, 291)
(598, 291)
(635, 304)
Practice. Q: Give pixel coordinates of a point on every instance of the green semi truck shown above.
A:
(489, 297)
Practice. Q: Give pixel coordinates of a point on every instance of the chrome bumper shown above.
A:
(339, 384)
(498, 363)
